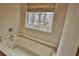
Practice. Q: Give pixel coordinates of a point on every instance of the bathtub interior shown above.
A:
(34, 47)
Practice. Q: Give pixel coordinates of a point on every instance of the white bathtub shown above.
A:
(26, 47)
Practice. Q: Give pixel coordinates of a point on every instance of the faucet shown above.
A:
(10, 42)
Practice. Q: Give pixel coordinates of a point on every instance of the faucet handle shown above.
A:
(10, 29)
(11, 36)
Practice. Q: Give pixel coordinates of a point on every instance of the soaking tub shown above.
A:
(27, 46)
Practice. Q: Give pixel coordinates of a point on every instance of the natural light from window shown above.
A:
(41, 21)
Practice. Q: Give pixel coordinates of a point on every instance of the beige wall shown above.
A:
(9, 17)
(57, 26)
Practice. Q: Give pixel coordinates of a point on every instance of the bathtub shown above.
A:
(25, 46)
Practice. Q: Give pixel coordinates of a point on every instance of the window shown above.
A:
(41, 21)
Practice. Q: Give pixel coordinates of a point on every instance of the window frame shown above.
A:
(39, 29)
